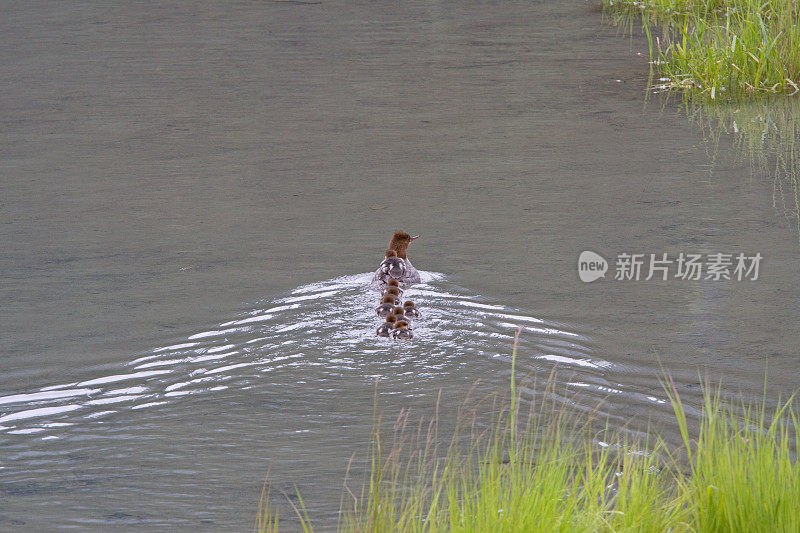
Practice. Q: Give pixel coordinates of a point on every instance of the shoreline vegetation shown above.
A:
(719, 49)
(555, 470)
(736, 65)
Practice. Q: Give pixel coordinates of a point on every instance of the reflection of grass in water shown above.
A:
(765, 133)
(731, 50)
(720, 49)
(545, 472)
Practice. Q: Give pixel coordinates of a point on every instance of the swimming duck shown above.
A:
(399, 244)
(386, 306)
(385, 329)
(409, 309)
(401, 331)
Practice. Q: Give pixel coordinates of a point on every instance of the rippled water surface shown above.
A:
(326, 332)
(189, 192)
(304, 366)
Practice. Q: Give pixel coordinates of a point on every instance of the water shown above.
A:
(190, 193)
(454, 332)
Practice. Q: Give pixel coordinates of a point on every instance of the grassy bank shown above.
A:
(720, 49)
(548, 470)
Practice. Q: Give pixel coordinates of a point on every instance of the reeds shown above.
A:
(554, 470)
(720, 49)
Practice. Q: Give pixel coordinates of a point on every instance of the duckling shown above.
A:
(386, 307)
(402, 331)
(411, 310)
(386, 328)
(393, 266)
(394, 292)
(401, 319)
(399, 312)
(395, 285)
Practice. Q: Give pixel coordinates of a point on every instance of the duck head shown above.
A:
(399, 243)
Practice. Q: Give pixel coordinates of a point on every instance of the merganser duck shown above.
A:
(410, 310)
(399, 243)
(386, 328)
(386, 307)
(401, 331)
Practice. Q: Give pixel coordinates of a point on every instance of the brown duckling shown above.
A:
(386, 306)
(401, 330)
(399, 312)
(410, 309)
(394, 292)
(386, 328)
(392, 266)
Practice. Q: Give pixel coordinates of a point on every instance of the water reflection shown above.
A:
(765, 134)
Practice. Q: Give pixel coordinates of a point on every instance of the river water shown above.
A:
(194, 194)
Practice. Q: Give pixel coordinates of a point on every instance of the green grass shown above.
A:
(720, 49)
(549, 470)
(744, 474)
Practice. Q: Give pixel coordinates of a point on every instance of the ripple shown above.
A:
(304, 331)
(121, 377)
(41, 396)
(39, 412)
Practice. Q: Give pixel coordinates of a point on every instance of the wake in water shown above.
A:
(296, 331)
